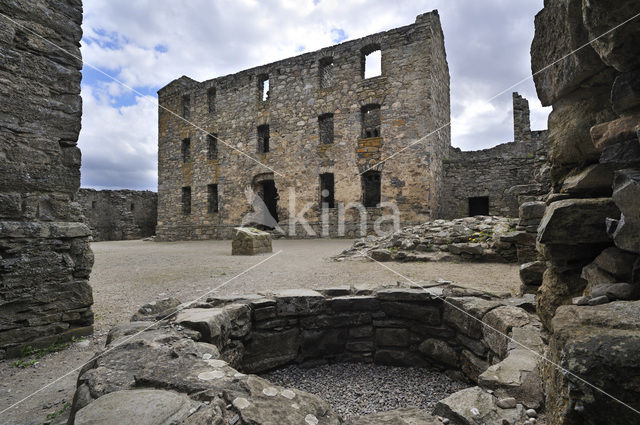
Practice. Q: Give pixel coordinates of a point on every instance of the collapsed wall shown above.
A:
(496, 181)
(45, 259)
(589, 234)
(115, 215)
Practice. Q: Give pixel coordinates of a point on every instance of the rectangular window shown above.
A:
(212, 146)
(94, 204)
(325, 128)
(325, 72)
(186, 200)
(186, 106)
(371, 188)
(186, 150)
(371, 60)
(263, 87)
(211, 99)
(263, 138)
(132, 206)
(370, 121)
(212, 195)
(327, 191)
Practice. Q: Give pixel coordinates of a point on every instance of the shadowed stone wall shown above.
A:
(115, 215)
(409, 99)
(45, 258)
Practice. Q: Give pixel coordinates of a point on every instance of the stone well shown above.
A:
(201, 359)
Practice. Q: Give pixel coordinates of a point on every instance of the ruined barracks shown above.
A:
(333, 127)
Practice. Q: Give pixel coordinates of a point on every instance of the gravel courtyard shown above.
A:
(126, 274)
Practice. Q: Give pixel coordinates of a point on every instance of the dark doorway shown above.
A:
(478, 205)
(270, 197)
(263, 138)
(327, 189)
(371, 188)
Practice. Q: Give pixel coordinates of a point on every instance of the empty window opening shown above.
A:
(186, 200)
(371, 188)
(211, 99)
(325, 128)
(186, 150)
(371, 61)
(212, 195)
(327, 191)
(186, 106)
(478, 205)
(94, 204)
(325, 70)
(269, 194)
(132, 207)
(370, 121)
(263, 87)
(212, 146)
(263, 138)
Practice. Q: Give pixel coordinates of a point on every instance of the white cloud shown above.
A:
(148, 43)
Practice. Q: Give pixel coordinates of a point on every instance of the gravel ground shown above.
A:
(127, 274)
(354, 389)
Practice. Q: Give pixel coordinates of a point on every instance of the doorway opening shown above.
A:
(478, 205)
(269, 194)
(371, 188)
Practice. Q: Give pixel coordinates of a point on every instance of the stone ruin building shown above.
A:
(321, 125)
(115, 215)
(45, 259)
(496, 181)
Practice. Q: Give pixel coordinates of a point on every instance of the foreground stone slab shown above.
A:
(140, 407)
(473, 406)
(250, 241)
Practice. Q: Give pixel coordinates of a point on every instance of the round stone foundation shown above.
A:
(209, 352)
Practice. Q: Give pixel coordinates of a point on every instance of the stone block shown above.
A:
(394, 357)
(531, 273)
(392, 337)
(595, 181)
(155, 310)
(576, 221)
(616, 131)
(439, 351)
(622, 155)
(411, 415)
(354, 303)
(250, 241)
(558, 287)
(475, 405)
(267, 349)
(617, 263)
(559, 31)
(498, 324)
(532, 210)
(465, 314)
(425, 314)
(404, 294)
(212, 323)
(299, 302)
(625, 93)
(472, 365)
(626, 194)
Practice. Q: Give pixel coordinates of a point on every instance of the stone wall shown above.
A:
(203, 347)
(45, 258)
(305, 93)
(502, 177)
(589, 236)
(115, 215)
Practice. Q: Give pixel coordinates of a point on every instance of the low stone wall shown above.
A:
(200, 351)
(115, 215)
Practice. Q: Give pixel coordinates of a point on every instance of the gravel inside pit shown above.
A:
(355, 389)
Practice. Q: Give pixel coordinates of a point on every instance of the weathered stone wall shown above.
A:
(115, 215)
(45, 258)
(413, 95)
(589, 235)
(507, 174)
(203, 346)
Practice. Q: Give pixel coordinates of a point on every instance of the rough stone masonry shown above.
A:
(316, 121)
(45, 259)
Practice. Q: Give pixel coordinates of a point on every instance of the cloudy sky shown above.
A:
(145, 44)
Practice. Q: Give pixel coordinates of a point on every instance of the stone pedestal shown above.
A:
(250, 241)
